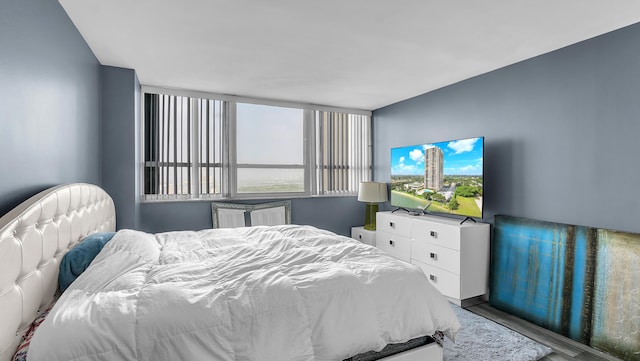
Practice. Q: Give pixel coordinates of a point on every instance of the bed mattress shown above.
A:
(259, 293)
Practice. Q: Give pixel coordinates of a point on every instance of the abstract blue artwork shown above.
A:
(581, 282)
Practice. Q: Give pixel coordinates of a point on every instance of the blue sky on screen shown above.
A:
(461, 157)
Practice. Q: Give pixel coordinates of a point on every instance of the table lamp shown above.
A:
(372, 193)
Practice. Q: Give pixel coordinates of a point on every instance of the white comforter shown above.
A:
(261, 293)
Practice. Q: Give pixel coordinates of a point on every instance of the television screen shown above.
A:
(444, 177)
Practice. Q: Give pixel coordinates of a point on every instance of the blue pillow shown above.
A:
(79, 257)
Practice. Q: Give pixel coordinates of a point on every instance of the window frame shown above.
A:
(228, 159)
(234, 165)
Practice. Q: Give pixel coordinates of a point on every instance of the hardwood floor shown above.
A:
(564, 349)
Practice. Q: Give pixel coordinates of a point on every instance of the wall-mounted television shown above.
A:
(444, 177)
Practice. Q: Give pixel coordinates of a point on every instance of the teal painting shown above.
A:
(581, 282)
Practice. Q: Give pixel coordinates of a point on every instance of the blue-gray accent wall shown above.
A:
(49, 102)
(561, 132)
(337, 214)
(120, 150)
(560, 129)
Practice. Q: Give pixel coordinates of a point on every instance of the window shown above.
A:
(168, 158)
(204, 146)
(270, 149)
(182, 143)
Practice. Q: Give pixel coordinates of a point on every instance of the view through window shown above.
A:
(270, 149)
(201, 146)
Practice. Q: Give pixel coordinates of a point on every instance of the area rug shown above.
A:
(480, 339)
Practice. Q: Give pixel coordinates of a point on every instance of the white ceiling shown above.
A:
(361, 54)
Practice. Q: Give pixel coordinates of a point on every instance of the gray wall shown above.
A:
(49, 102)
(561, 132)
(120, 132)
(337, 214)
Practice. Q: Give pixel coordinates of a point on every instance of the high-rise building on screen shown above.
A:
(433, 168)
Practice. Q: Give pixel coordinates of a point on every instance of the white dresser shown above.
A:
(454, 256)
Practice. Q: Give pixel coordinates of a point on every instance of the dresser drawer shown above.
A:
(397, 246)
(393, 224)
(445, 258)
(440, 234)
(446, 282)
(363, 235)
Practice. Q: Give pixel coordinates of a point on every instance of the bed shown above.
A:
(245, 294)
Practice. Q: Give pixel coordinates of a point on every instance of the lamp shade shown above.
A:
(372, 192)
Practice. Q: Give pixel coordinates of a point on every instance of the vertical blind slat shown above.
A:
(188, 147)
(207, 144)
(165, 143)
(175, 150)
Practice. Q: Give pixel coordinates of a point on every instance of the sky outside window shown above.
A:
(269, 135)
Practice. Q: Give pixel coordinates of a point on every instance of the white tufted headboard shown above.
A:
(33, 238)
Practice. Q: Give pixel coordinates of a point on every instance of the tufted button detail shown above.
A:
(42, 234)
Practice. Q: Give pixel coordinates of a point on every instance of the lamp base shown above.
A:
(370, 216)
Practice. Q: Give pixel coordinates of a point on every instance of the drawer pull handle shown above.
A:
(433, 256)
(392, 225)
(432, 277)
(391, 242)
(433, 234)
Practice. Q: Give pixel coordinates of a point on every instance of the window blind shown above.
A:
(343, 150)
(211, 127)
(167, 153)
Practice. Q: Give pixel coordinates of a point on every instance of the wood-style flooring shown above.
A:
(564, 349)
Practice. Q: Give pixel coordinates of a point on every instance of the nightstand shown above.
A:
(364, 235)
